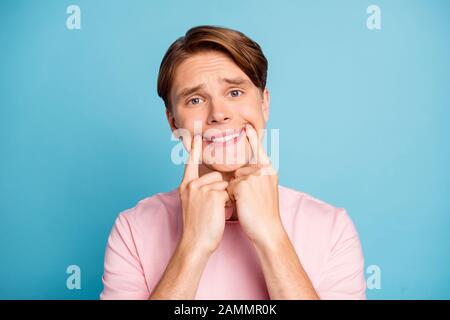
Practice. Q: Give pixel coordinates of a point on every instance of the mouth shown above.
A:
(225, 138)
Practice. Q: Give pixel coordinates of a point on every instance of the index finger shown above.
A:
(259, 153)
(191, 168)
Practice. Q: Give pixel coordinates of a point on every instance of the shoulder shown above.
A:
(151, 212)
(318, 230)
(313, 216)
(309, 205)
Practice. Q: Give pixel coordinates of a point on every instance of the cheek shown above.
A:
(255, 118)
(193, 123)
(252, 112)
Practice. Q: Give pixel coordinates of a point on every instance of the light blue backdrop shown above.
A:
(363, 118)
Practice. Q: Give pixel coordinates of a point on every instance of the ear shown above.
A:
(265, 104)
(171, 120)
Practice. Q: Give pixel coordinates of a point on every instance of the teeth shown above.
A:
(223, 139)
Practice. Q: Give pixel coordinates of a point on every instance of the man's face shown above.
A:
(222, 101)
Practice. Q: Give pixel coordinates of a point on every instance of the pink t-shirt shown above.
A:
(144, 238)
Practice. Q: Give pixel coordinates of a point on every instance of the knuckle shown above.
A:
(216, 195)
(216, 175)
(243, 184)
(192, 185)
(204, 189)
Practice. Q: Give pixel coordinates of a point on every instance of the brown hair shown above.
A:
(245, 52)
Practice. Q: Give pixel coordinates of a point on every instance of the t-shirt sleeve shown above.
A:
(123, 276)
(343, 275)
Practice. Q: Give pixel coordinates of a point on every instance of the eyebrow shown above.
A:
(187, 91)
(236, 81)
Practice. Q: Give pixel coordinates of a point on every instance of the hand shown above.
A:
(203, 202)
(255, 190)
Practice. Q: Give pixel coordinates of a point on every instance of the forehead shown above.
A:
(211, 65)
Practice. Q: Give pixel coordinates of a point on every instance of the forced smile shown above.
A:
(228, 136)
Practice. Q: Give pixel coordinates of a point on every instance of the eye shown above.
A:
(235, 93)
(194, 101)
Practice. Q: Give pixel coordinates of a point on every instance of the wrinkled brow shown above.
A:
(187, 91)
(236, 81)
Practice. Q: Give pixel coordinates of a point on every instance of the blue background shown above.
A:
(363, 118)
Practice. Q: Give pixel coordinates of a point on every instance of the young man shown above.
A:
(229, 231)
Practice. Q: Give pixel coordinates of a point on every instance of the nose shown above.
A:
(219, 113)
